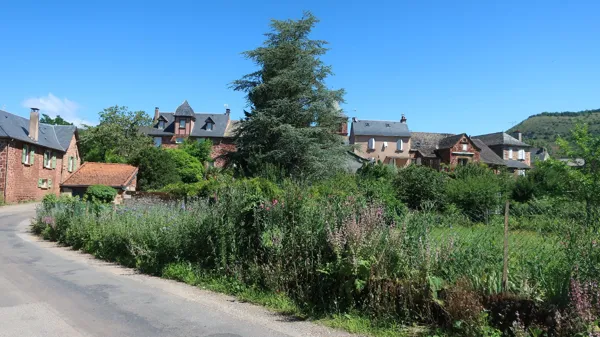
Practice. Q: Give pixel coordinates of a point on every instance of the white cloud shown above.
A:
(53, 106)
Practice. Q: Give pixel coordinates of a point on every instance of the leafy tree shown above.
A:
(189, 168)
(586, 180)
(117, 138)
(417, 185)
(377, 171)
(54, 121)
(293, 115)
(200, 149)
(157, 169)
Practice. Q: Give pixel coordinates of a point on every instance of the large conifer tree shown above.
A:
(293, 116)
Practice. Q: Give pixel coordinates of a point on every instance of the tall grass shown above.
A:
(334, 254)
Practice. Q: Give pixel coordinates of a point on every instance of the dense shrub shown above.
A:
(476, 191)
(156, 169)
(189, 168)
(100, 193)
(419, 185)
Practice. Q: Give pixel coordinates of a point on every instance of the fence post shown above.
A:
(505, 269)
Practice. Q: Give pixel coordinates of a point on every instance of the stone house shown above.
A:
(385, 141)
(121, 177)
(437, 149)
(515, 153)
(34, 157)
(170, 129)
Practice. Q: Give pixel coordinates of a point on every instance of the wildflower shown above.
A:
(275, 202)
(268, 208)
(261, 206)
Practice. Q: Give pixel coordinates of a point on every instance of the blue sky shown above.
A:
(450, 66)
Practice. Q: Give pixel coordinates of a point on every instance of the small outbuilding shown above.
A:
(121, 177)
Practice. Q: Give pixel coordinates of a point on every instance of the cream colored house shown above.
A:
(385, 141)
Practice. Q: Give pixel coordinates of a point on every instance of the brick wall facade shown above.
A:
(454, 153)
(22, 179)
(3, 164)
(72, 151)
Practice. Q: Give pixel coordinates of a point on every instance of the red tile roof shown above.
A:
(115, 175)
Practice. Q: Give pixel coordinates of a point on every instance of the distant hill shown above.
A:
(543, 129)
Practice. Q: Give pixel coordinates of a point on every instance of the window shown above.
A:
(371, 145)
(161, 124)
(399, 145)
(157, 141)
(465, 147)
(209, 126)
(510, 154)
(179, 140)
(182, 123)
(521, 172)
(385, 145)
(463, 161)
(521, 154)
(71, 164)
(45, 183)
(28, 154)
(47, 159)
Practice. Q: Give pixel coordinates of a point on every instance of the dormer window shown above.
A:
(182, 123)
(161, 124)
(209, 126)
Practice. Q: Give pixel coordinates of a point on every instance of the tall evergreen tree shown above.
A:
(293, 116)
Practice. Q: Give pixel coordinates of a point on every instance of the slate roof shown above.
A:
(380, 128)
(516, 164)
(110, 174)
(500, 138)
(486, 155)
(185, 110)
(56, 137)
(427, 142)
(220, 125)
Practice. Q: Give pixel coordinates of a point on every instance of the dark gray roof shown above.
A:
(185, 110)
(516, 164)
(427, 142)
(56, 137)
(487, 156)
(380, 128)
(220, 125)
(499, 138)
(220, 128)
(353, 162)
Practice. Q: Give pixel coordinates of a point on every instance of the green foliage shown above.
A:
(189, 168)
(157, 169)
(54, 121)
(476, 191)
(377, 171)
(117, 138)
(100, 193)
(418, 186)
(550, 178)
(199, 149)
(293, 115)
(585, 180)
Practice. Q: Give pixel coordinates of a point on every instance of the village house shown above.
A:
(34, 157)
(121, 177)
(170, 129)
(385, 141)
(515, 153)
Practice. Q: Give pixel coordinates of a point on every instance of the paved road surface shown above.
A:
(52, 291)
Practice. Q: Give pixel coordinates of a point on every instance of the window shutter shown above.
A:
(24, 156)
(49, 183)
(53, 161)
(31, 155)
(510, 154)
(372, 144)
(40, 182)
(399, 145)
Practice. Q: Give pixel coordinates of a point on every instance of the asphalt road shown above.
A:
(47, 290)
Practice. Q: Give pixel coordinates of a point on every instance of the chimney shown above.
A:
(34, 124)
(403, 119)
(519, 135)
(156, 114)
(354, 120)
(227, 111)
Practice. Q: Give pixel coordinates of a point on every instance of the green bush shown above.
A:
(156, 169)
(189, 168)
(100, 193)
(476, 191)
(418, 185)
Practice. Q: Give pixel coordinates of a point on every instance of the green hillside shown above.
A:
(542, 129)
